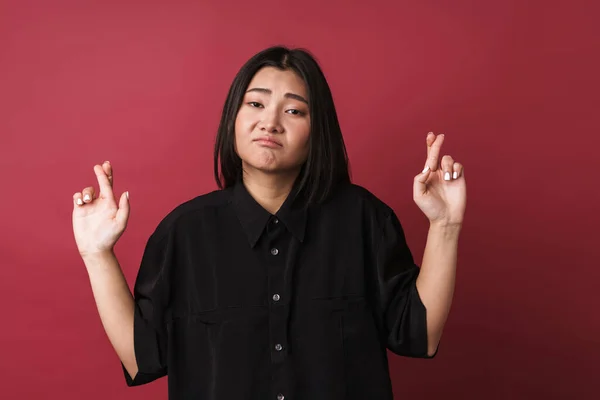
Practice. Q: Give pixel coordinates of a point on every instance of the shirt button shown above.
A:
(278, 347)
(276, 297)
(274, 251)
(275, 221)
(280, 396)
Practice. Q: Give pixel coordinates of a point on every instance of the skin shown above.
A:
(98, 222)
(440, 192)
(275, 108)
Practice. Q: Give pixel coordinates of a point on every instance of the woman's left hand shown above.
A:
(440, 191)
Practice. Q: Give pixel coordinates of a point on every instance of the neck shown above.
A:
(269, 190)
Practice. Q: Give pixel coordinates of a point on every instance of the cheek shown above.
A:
(301, 142)
(304, 137)
(243, 125)
(240, 132)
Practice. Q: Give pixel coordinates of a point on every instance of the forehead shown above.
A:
(278, 81)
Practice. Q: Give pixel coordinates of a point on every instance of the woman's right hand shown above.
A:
(98, 221)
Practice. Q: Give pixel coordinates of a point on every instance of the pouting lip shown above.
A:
(268, 139)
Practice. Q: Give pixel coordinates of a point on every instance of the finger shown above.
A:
(434, 153)
(107, 167)
(419, 184)
(429, 141)
(123, 211)
(88, 194)
(77, 199)
(447, 167)
(457, 170)
(103, 182)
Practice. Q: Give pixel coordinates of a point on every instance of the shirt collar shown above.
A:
(254, 217)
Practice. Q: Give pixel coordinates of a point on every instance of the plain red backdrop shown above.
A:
(513, 85)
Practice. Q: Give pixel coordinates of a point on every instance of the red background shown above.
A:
(512, 84)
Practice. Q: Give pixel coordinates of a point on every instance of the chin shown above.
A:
(270, 168)
(266, 169)
(264, 161)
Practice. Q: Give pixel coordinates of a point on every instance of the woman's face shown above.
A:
(272, 126)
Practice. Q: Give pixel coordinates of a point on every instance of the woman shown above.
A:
(289, 282)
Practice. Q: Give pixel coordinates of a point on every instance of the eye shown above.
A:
(254, 104)
(295, 112)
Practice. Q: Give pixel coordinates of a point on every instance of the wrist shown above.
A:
(95, 257)
(445, 227)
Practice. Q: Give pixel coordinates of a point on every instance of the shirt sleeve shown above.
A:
(151, 294)
(403, 314)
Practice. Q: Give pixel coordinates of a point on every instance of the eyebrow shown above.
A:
(288, 95)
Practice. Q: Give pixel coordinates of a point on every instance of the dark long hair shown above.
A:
(327, 162)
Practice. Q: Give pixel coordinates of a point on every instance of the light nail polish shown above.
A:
(455, 175)
(79, 202)
(86, 197)
(447, 176)
(425, 169)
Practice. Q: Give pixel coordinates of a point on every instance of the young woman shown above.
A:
(289, 282)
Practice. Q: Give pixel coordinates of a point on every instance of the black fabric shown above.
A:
(235, 303)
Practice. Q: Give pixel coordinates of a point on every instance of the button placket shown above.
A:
(279, 239)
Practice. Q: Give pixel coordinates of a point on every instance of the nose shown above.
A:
(270, 122)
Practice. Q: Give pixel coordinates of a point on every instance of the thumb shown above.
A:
(123, 211)
(419, 185)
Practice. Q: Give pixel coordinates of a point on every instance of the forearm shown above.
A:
(115, 305)
(437, 277)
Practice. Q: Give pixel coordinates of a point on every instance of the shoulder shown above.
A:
(190, 210)
(357, 209)
(354, 195)
(350, 200)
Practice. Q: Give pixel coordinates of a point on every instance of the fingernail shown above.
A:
(107, 162)
(455, 175)
(426, 169)
(86, 197)
(447, 176)
(79, 202)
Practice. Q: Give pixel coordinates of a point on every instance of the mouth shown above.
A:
(267, 141)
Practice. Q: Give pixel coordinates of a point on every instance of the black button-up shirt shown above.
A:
(235, 303)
